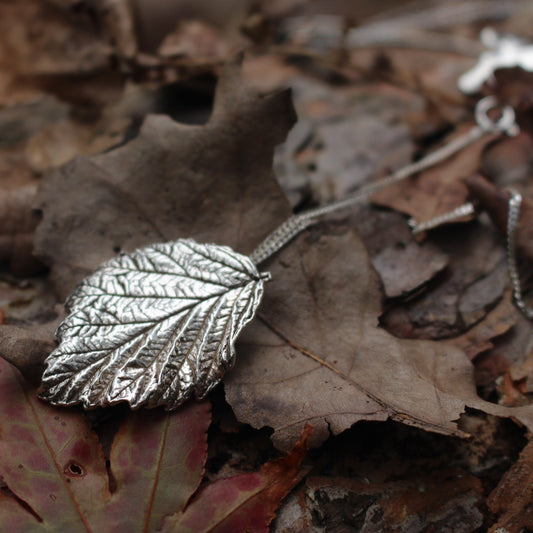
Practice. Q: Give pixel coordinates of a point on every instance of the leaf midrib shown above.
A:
(66, 485)
(156, 477)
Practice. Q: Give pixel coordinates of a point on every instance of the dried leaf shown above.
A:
(214, 183)
(53, 465)
(153, 327)
(317, 354)
(242, 503)
(512, 498)
(402, 264)
(399, 272)
(437, 190)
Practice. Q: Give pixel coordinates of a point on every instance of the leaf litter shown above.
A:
(495, 332)
(318, 326)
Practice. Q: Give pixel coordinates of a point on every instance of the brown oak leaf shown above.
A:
(214, 183)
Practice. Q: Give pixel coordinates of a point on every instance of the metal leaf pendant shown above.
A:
(153, 327)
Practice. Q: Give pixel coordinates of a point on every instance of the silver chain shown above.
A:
(515, 202)
(450, 216)
(297, 223)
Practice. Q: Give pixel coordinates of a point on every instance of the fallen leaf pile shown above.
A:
(401, 361)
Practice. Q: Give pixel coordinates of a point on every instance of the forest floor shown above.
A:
(386, 383)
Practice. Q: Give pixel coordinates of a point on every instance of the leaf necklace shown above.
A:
(158, 325)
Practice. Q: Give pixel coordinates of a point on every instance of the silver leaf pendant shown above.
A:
(153, 327)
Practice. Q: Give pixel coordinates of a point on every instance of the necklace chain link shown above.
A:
(515, 202)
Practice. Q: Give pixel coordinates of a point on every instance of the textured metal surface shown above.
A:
(513, 216)
(451, 216)
(153, 327)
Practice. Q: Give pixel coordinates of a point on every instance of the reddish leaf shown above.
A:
(54, 467)
(56, 477)
(49, 459)
(242, 503)
(162, 457)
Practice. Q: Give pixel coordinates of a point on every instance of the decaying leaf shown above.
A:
(53, 465)
(512, 498)
(317, 354)
(55, 476)
(214, 183)
(242, 503)
(153, 327)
